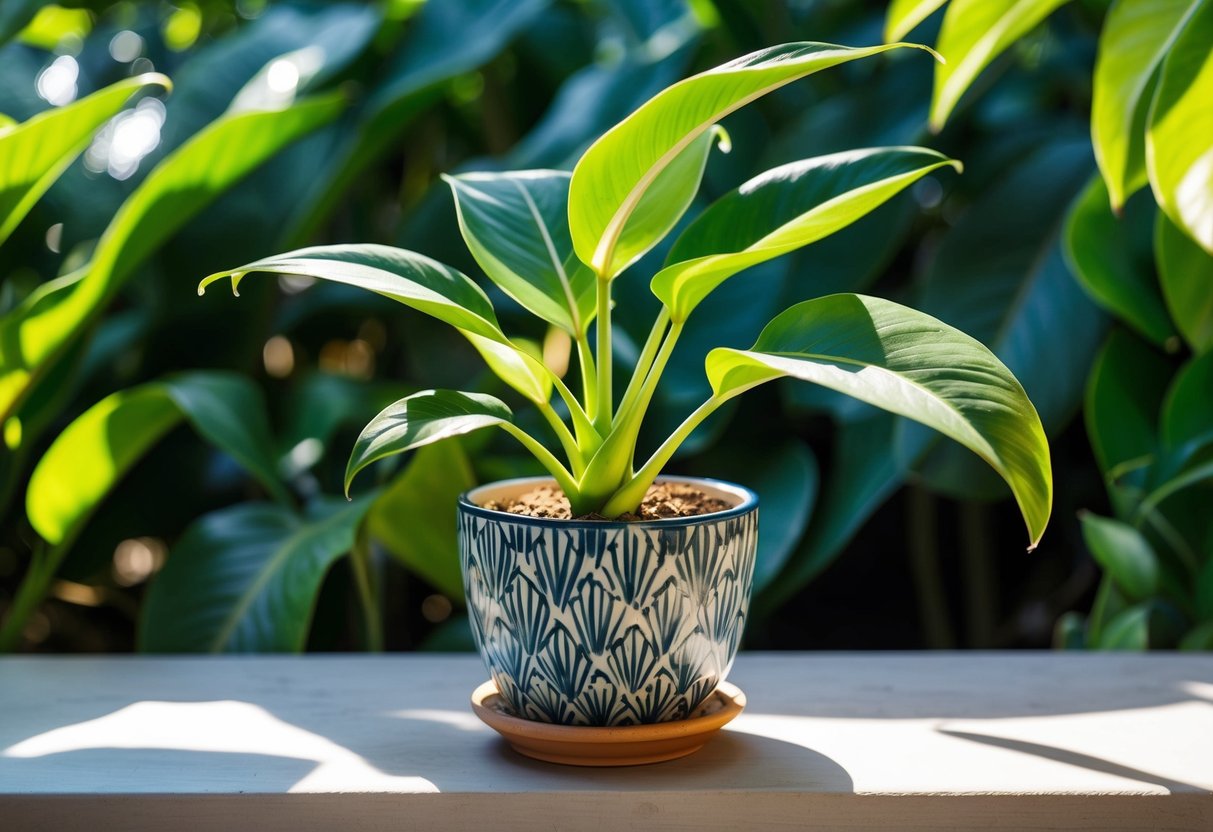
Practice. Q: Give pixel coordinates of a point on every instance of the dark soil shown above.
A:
(664, 500)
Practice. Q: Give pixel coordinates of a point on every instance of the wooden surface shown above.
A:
(848, 741)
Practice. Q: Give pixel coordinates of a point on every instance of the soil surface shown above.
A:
(664, 500)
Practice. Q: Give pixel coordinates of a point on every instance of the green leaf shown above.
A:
(34, 334)
(422, 418)
(1204, 593)
(1101, 251)
(1124, 553)
(516, 225)
(910, 364)
(1187, 419)
(413, 279)
(517, 367)
(245, 579)
(1199, 638)
(1136, 36)
(35, 153)
(974, 33)
(1129, 629)
(613, 176)
(782, 210)
(905, 15)
(1185, 271)
(1123, 397)
(15, 16)
(95, 451)
(414, 517)
(1179, 141)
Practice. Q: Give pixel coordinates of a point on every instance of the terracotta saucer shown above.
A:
(630, 745)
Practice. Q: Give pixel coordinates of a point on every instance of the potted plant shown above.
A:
(592, 603)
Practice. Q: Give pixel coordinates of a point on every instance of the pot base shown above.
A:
(629, 745)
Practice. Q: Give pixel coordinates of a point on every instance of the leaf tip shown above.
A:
(936, 55)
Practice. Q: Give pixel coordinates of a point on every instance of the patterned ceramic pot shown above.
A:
(607, 623)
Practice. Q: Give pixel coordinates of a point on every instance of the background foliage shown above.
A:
(171, 465)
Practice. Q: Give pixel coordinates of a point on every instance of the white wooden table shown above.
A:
(846, 741)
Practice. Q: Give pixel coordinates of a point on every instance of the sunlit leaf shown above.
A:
(613, 176)
(245, 579)
(910, 364)
(782, 210)
(905, 15)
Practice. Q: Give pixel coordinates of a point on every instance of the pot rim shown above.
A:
(748, 502)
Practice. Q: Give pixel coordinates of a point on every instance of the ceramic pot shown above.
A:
(585, 622)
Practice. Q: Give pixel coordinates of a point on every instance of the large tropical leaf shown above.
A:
(420, 419)
(33, 154)
(1110, 257)
(413, 279)
(905, 15)
(1136, 37)
(414, 517)
(1179, 142)
(34, 334)
(517, 226)
(974, 33)
(245, 579)
(612, 178)
(782, 210)
(1185, 271)
(910, 364)
(95, 451)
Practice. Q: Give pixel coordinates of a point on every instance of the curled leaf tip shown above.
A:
(957, 165)
(723, 142)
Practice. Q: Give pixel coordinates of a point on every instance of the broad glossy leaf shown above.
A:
(613, 176)
(974, 33)
(1187, 417)
(910, 364)
(1179, 141)
(1124, 553)
(1104, 250)
(422, 418)
(245, 579)
(782, 210)
(33, 154)
(413, 279)
(517, 367)
(1124, 393)
(905, 15)
(1185, 271)
(516, 225)
(414, 517)
(95, 451)
(1136, 37)
(33, 334)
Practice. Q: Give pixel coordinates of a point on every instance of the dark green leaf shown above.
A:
(1124, 394)
(1124, 553)
(1185, 271)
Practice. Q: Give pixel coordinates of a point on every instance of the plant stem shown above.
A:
(604, 416)
(30, 594)
(588, 439)
(360, 562)
(567, 441)
(645, 362)
(632, 493)
(589, 375)
(566, 481)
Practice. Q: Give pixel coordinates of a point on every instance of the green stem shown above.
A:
(360, 561)
(604, 416)
(645, 362)
(566, 481)
(632, 493)
(589, 376)
(30, 595)
(567, 440)
(588, 439)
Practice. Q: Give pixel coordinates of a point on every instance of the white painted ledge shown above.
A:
(854, 741)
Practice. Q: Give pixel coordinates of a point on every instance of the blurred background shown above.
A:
(874, 535)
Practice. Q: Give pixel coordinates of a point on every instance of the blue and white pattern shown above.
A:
(593, 623)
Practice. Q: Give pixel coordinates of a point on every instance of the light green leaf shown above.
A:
(1179, 141)
(413, 279)
(245, 579)
(782, 210)
(35, 153)
(905, 15)
(516, 225)
(910, 364)
(95, 451)
(420, 419)
(1185, 271)
(1124, 553)
(1124, 392)
(414, 518)
(613, 176)
(1136, 37)
(516, 367)
(34, 334)
(1101, 252)
(974, 33)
